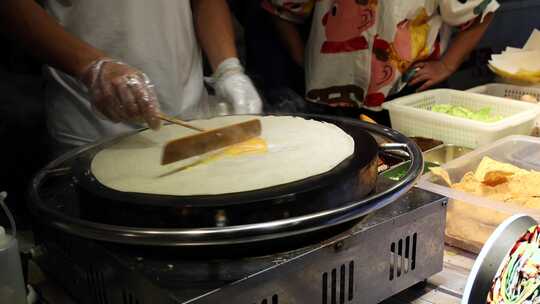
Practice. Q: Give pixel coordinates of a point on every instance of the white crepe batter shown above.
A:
(297, 149)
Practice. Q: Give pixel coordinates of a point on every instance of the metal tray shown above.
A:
(444, 153)
(64, 212)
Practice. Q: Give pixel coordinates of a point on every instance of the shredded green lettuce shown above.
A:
(483, 115)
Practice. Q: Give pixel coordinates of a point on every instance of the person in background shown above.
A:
(358, 50)
(280, 81)
(115, 64)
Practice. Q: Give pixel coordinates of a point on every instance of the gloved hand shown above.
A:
(235, 87)
(121, 93)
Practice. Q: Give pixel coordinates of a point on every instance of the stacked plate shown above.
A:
(519, 64)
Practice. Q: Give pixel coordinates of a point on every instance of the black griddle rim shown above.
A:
(216, 236)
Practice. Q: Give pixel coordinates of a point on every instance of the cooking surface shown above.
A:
(289, 149)
(365, 150)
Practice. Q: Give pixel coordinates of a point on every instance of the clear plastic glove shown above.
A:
(121, 93)
(235, 87)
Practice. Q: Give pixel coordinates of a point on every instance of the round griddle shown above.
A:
(66, 196)
(364, 142)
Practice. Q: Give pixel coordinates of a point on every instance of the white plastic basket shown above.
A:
(506, 90)
(411, 115)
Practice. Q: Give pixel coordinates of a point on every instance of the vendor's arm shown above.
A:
(213, 24)
(464, 43)
(27, 23)
(215, 30)
(118, 91)
(286, 15)
(474, 17)
(291, 39)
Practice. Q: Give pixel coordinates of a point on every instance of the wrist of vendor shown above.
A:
(86, 58)
(449, 65)
(227, 67)
(84, 73)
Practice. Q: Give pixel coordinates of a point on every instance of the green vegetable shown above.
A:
(483, 115)
(441, 108)
(397, 173)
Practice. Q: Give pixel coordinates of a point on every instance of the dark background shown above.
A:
(23, 133)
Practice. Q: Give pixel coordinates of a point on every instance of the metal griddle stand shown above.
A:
(384, 253)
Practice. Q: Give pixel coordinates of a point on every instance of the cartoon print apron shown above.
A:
(358, 49)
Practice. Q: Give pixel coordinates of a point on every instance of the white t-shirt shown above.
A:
(155, 36)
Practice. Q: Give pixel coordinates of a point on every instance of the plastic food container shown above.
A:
(12, 288)
(471, 219)
(411, 115)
